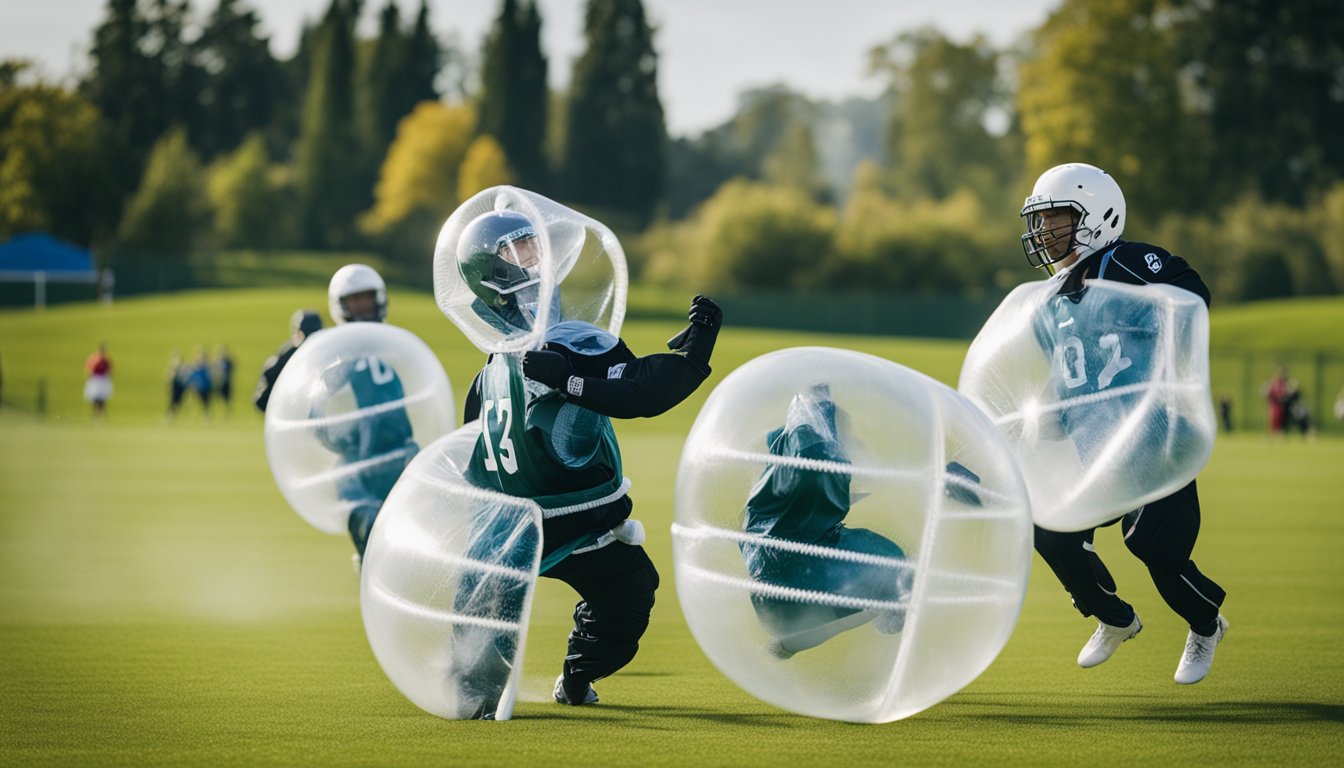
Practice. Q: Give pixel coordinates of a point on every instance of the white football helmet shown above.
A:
(1087, 190)
(352, 279)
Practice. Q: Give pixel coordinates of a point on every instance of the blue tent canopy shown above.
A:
(39, 258)
(23, 256)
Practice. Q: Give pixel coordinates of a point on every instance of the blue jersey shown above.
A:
(384, 432)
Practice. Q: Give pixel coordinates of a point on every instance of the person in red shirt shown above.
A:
(98, 387)
(1276, 393)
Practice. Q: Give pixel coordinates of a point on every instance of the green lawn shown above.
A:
(163, 606)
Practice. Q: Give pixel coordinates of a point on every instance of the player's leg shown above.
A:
(1163, 535)
(617, 585)
(1074, 560)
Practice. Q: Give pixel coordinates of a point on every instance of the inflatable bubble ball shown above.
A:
(1103, 395)
(852, 538)
(447, 583)
(351, 408)
(510, 264)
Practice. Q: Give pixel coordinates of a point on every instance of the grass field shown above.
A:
(163, 606)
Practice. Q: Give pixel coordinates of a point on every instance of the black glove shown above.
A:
(697, 340)
(705, 312)
(549, 368)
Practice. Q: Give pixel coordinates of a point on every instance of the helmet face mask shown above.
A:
(1073, 211)
(1051, 238)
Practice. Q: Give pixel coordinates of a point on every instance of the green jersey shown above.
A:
(535, 445)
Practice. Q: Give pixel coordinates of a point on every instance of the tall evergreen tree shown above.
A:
(514, 99)
(424, 58)
(615, 139)
(242, 82)
(127, 84)
(384, 88)
(329, 170)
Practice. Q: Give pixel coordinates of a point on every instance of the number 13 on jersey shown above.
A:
(504, 455)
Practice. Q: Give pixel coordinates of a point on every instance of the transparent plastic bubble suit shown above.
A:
(446, 588)
(893, 611)
(1105, 401)
(351, 408)
(510, 263)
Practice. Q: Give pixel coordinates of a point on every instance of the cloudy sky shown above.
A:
(709, 50)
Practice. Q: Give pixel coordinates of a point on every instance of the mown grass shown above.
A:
(163, 606)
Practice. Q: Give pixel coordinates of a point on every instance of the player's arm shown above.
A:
(270, 372)
(471, 409)
(645, 386)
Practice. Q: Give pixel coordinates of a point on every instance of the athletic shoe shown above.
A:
(1105, 640)
(1198, 656)
(589, 697)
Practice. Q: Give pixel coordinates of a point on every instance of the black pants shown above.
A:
(616, 583)
(1162, 535)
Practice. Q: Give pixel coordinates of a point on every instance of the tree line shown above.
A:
(186, 135)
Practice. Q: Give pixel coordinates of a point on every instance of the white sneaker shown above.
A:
(1198, 656)
(589, 696)
(1105, 640)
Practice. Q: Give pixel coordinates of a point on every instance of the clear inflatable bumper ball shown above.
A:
(348, 413)
(852, 538)
(446, 588)
(1104, 396)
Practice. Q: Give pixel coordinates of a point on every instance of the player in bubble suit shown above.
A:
(809, 506)
(547, 436)
(381, 443)
(1075, 215)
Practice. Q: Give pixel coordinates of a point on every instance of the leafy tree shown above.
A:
(1103, 88)
(242, 82)
(54, 170)
(485, 165)
(249, 209)
(514, 99)
(945, 96)
(418, 185)
(330, 165)
(170, 212)
(793, 163)
(760, 236)
(1268, 79)
(615, 139)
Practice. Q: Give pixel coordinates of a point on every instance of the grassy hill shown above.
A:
(47, 349)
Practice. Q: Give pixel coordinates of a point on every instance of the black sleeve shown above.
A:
(645, 386)
(471, 409)
(269, 374)
(1138, 263)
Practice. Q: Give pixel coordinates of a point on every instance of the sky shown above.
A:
(709, 51)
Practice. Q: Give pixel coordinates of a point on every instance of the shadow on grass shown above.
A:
(1114, 708)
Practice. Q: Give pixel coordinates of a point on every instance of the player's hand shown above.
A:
(549, 368)
(705, 312)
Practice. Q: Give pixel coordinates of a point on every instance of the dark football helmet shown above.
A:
(499, 257)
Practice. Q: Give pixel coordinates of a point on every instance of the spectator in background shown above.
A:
(1276, 393)
(199, 380)
(1225, 411)
(304, 323)
(1296, 412)
(224, 377)
(176, 376)
(98, 386)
